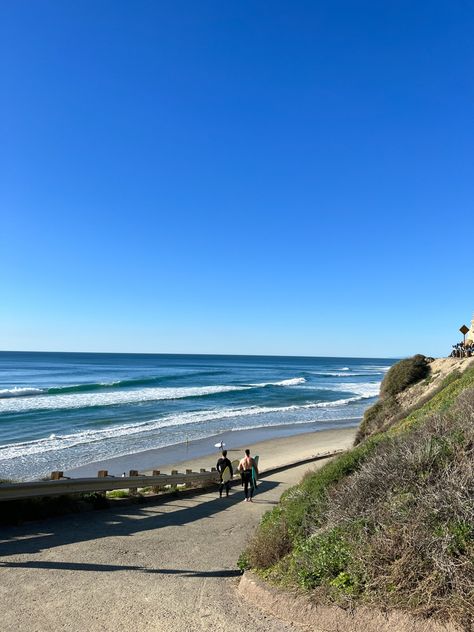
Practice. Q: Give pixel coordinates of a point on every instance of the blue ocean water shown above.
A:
(63, 410)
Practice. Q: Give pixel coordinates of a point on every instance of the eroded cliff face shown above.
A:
(440, 370)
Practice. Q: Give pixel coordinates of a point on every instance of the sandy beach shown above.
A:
(273, 452)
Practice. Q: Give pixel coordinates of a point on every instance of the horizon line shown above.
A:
(238, 355)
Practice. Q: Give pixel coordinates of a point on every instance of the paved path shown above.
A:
(168, 567)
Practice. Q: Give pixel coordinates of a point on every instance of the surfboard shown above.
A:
(235, 466)
(221, 444)
(254, 472)
(226, 475)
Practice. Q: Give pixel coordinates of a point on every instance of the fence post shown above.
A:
(102, 474)
(155, 489)
(133, 491)
(55, 476)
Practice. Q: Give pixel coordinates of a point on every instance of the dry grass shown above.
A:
(415, 497)
(390, 523)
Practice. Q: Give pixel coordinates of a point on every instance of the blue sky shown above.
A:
(236, 177)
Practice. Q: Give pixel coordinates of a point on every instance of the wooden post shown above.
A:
(55, 476)
(189, 471)
(202, 470)
(102, 474)
(133, 491)
(156, 488)
(174, 472)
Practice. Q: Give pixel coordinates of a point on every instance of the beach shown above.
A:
(164, 565)
(78, 413)
(273, 452)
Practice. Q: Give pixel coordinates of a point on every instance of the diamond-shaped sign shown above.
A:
(464, 329)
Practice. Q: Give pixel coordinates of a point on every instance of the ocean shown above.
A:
(59, 411)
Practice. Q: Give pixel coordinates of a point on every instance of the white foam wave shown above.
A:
(293, 381)
(19, 392)
(339, 374)
(57, 442)
(345, 368)
(85, 400)
(375, 367)
(365, 389)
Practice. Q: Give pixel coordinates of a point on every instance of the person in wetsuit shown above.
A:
(222, 463)
(245, 468)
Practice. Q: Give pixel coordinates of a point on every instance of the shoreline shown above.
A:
(276, 446)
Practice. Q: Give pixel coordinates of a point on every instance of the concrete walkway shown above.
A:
(168, 567)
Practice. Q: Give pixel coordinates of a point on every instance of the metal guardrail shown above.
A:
(58, 485)
(15, 491)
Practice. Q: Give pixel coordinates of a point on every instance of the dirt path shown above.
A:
(169, 567)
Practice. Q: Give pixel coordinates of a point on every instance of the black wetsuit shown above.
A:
(222, 463)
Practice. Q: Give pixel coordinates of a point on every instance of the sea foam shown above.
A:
(56, 442)
(6, 393)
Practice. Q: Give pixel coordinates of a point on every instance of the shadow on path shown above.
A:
(77, 566)
(121, 521)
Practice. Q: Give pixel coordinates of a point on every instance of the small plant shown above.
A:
(243, 562)
(346, 583)
(118, 493)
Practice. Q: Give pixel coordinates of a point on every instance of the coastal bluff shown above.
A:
(435, 374)
(382, 536)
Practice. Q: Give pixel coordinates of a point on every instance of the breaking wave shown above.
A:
(64, 400)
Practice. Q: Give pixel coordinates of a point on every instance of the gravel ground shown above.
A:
(137, 568)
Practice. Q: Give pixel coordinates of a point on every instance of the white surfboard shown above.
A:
(226, 475)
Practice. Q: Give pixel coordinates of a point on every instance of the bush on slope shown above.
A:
(403, 374)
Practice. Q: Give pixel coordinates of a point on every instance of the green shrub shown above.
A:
(376, 417)
(321, 559)
(403, 374)
(271, 542)
(302, 508)
(450, 378)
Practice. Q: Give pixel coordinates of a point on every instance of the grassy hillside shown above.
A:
(389, 523)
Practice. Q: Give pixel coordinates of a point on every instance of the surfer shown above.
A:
(247, 468)
(224, 467)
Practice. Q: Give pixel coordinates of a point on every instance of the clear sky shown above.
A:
(236, 177)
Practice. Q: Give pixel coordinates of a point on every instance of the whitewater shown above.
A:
(60, 411)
